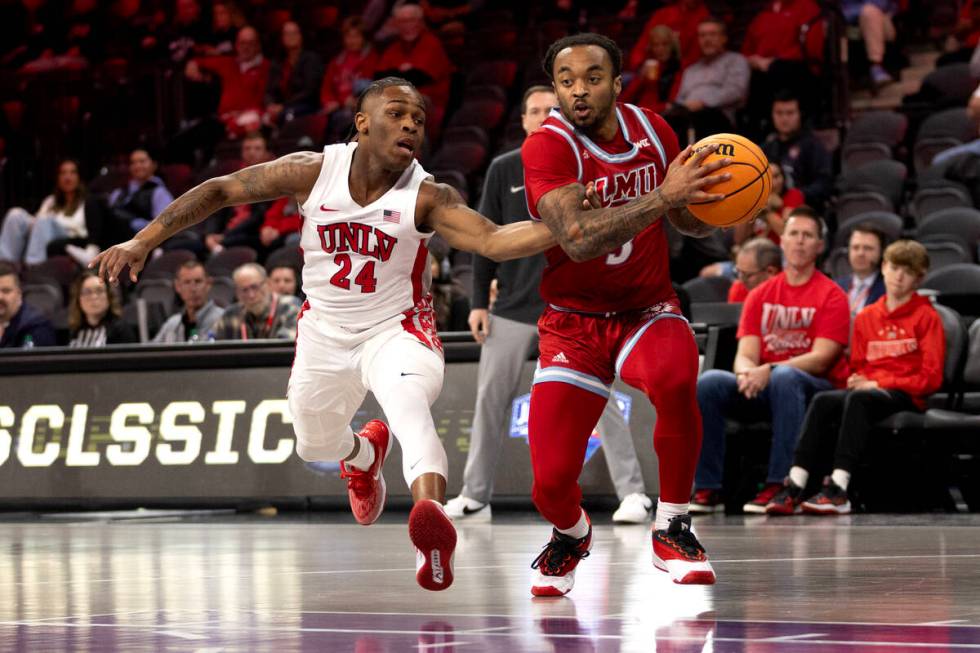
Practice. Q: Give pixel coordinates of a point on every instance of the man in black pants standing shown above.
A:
(510, 336)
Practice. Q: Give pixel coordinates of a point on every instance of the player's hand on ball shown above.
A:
(111, 262)
(688, 175)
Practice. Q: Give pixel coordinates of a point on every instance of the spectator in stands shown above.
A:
(784, 44)
(66, 215)
(294, 80)
(683, 17)
(418, 56)
(874, 17)
(658, 79)
(712, 88)
(244, 79)
(791, 338)
(196, 322)
(143, 197)
(804, 161)
(187, 32)
(897, 358)
(347, 75)
(757, 261)
(865, 284)
(245, 224)
(94, 314)
(259, 313)
(226, 20)
(21, 325)
(285, 280)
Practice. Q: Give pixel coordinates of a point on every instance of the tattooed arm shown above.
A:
(443, 210)
(586, 235)
(687, 224)
(294, 174)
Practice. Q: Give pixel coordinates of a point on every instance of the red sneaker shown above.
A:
(786, 501)
(434, 537)
(706, 502)
(678, 552)
(366, 489)
(557, 562)
(757, 506)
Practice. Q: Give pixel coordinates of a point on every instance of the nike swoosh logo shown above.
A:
(516, 189)
(323, 207)
(411, 374)
(469, 511)
(412, 466)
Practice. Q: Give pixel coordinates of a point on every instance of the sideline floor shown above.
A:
(221, 582)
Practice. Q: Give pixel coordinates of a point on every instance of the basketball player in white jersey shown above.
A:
(368, 210)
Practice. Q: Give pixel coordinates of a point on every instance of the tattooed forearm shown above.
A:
(687, 224)
(585, 235)
(293, 174)
(193, 206)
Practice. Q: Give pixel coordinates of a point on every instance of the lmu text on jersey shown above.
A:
(626, 186)
(356, 237)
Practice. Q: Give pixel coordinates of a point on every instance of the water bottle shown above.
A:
(194, 336)
(28, 342)
(211, 337)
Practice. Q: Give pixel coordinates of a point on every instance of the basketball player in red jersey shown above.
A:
(611, 307)
(368, 309)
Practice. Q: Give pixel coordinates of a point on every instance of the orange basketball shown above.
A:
(748, 189)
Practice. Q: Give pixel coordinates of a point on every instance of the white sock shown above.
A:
(666, 512)
(579, 530)
(841, 478)
(365, 456)
(798, 476)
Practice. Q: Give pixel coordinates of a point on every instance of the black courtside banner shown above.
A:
(165, 435)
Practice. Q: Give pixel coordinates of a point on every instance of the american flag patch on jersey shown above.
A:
(392, 216)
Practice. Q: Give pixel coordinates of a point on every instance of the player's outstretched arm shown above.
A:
(463, 228)
(584, 235)
(293, 174)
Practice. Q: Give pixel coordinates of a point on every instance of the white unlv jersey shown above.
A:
(364, 264)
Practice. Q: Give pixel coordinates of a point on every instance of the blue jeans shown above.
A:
(25, 236)
(784, 401)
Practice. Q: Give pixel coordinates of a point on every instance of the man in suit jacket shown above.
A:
(865, 284)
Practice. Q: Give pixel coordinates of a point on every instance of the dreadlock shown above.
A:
(376, 87)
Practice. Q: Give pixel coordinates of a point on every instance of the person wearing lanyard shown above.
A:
(865, 285)
(259, 313)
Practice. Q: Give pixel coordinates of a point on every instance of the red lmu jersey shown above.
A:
(637, 275)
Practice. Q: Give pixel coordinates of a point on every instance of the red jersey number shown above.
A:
(365, 278)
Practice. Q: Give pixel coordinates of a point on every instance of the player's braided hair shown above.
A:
(586, 38)
(376, 87)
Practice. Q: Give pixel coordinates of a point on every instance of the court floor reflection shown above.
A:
(316, 582)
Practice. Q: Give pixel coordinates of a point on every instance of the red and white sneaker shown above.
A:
(366, 488)
(831, 500)
(678, 552)
(757, 506)
(434, 537)
(556, 563)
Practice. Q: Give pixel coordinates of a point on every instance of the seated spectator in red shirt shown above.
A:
(791, 339)
(784, 46)
(658, 79)
(757, 261)
(244, 79)
(294, 80)
(683, 17)
(897, 357)
(418, 56)
(347, 75)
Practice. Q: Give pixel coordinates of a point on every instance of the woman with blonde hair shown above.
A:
(94, 314)
(655, 83)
